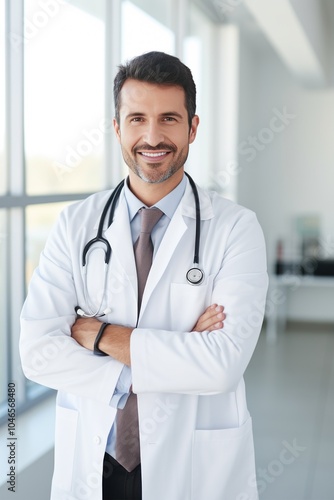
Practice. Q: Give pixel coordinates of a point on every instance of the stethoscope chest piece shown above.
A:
(195, 276)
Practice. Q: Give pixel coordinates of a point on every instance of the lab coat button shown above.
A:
(97, 440)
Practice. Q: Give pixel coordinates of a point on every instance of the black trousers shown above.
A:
(118, 483)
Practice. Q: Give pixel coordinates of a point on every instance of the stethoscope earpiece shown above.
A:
(79, 311)
(82, 313)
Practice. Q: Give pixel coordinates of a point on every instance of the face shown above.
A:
(154, 130)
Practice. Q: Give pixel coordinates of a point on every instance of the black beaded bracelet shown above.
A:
(97, 350)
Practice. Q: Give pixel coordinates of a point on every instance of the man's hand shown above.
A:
(84, 331)
(211, 319)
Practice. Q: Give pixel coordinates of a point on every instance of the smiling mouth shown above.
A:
(154, 155)
(154, 158)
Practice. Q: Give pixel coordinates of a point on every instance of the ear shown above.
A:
(117, 130)
(193, 129)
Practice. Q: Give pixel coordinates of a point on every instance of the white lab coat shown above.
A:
(196, 432)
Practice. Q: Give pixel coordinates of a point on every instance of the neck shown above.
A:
(151, 193)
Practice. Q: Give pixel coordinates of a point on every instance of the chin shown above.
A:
(154, 177)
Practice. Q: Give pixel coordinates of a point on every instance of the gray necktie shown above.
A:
(127, 440)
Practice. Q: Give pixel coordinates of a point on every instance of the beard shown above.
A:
(155, 173)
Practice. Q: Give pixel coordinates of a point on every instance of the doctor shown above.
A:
(168, 351)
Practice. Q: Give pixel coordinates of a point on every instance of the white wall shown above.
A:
(294, 172)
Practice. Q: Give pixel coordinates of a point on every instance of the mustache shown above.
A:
(159, 147)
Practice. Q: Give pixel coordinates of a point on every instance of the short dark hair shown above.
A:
(161, 68)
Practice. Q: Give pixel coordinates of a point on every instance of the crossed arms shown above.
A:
(116, 338)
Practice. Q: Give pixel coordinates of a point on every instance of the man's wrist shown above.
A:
(97, 350)
(116, 342)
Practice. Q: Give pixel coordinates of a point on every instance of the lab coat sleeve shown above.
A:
(211, 362)
(49, 355)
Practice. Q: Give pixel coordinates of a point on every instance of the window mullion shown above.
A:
(113, 164)
(181, 25)
(15, 77)
(15, 143)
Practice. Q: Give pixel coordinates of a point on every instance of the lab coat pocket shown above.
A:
(188, 302)
(66, 430)
(223, 464)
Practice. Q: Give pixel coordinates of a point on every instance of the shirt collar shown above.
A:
(168, 204)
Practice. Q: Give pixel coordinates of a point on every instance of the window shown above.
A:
(38, 223)
(3, 225)
(200, 54)
(3, 308)
(3, 169)
(65, 126)
(144, 30)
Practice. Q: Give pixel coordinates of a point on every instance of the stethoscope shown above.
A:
(194, 275)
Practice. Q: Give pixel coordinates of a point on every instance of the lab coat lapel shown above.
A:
(120, 239)
(174, 233)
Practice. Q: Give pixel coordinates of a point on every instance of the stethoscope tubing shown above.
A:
(198, 219)
(194, 276)
(99, 238)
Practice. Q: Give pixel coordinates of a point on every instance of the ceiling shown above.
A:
(300, 31)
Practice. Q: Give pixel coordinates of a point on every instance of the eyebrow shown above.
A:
(171, 113)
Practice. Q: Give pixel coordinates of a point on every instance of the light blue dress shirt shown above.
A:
(167, 205)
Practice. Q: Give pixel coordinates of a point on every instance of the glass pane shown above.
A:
(3, 173)
(164, 11)
(3, 309)
(199, 56)
(142, 33)
(39, 221)
(64, 96)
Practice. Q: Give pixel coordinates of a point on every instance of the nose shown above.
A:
(153, 134)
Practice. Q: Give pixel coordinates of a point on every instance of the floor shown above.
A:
(290, 387)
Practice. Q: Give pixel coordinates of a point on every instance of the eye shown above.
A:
(137, 119)
(169, 119)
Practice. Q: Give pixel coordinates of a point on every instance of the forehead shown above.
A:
(143, 96)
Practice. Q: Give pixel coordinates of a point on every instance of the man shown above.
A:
(165, 351)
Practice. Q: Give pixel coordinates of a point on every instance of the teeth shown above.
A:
(154, 155)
